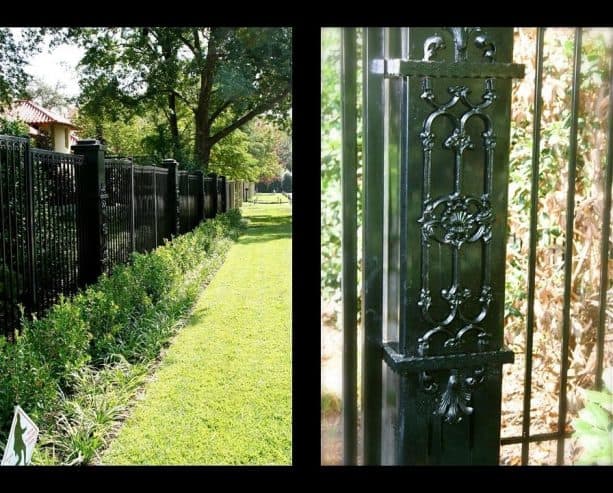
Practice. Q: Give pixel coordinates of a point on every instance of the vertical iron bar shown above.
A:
(125, 213)
(372, 241)
(349, 241)
(536, 151)
(155, 206)
(45, 228)
(3, 229)
(568, 251)
(604, 244)
(60, 223)
(132, 207)
(23, 235)
(10, 155)
(52, 228)
(40, 217)
(73, 216)
(57, 236)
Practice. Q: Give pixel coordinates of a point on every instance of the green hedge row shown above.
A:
(130, 313)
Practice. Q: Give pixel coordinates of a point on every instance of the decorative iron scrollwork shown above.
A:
(455, 220)
(432, 45)
(482, 41)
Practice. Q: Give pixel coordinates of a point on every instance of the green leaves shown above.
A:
(594, 428)
(187, 78)
(13, 55)
(128, 315)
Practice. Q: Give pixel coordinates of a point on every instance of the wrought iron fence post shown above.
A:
(200, 200)
(224, 194)
(173, 195)
(155, 206)
(435, 201)
(132, 208)
(203, 192)
(215, 197)
(92, 215)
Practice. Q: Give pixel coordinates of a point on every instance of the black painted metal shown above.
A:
(210, 195)
(536, 149)
(436, 138)
(349, 244)
(372, 244)
(67, 218)
(119, 209)
(568, 251)
(173, 213)
(223, 198)
(55, 236)
(93, 225)
(436, 172)
(13, 216)
(604, 244)
(163, 210)
(144, 227)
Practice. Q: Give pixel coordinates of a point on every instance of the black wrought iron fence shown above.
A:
(54, 195)
(119, 174)
(67, 218)
(437, 112)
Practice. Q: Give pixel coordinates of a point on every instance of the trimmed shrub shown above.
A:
(129, 315)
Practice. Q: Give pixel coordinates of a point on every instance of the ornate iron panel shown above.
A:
(445, 162)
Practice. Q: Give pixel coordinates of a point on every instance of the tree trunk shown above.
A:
(203, 135)
(174, 127)
(203, 145)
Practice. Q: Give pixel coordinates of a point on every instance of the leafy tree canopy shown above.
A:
(13, 59)
(216, 74)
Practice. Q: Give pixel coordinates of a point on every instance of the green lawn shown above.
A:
(270, 198)
(222, 394)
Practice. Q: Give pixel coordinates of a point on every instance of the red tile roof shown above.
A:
(31, 113)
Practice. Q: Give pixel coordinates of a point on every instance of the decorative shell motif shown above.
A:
(458, 224)
(454, 403)
(462, 220)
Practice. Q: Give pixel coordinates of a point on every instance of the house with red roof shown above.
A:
(60, 130)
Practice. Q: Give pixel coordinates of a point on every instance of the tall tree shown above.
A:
(13, 60)
(49, 96)
(214, 72)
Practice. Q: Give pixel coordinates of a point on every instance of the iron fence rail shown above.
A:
(45, 207)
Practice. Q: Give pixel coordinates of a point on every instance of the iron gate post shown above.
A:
(437, 127)
(92, 218)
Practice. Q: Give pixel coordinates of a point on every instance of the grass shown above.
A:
(222, 394)
(270, 198)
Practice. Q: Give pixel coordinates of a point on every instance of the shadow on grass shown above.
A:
(197, 316)
(267, 228)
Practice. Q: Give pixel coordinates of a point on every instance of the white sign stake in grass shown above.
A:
(22, 438)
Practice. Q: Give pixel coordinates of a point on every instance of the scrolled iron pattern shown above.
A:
(455, 220)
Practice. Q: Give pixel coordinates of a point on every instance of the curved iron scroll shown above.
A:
(454, 220)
